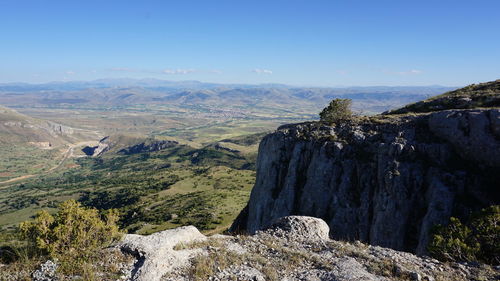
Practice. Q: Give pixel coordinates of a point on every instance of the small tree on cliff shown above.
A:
(338, 110)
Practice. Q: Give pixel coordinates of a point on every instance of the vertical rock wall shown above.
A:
(386, 182)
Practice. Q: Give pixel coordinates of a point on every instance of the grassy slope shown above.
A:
(22, 141)
(177, 186)
(473, 96)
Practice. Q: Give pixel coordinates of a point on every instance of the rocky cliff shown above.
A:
(385, 180)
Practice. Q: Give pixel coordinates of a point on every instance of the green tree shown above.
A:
(453, 242)
(74, 235)
(479, 240)
(486, 228)
(337, 111)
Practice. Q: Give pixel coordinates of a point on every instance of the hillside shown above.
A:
(30, 146)
(154, 182)
(19, 128)
(481, 95)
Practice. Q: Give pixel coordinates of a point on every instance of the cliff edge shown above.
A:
(385, 180)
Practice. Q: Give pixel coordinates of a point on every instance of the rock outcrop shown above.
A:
(103, 146)
(386, 180)
(293, 248)
(148, 146)
(155, 253)
(122, 144)
(301, 227)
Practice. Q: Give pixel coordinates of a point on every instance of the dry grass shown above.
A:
(388, 268)
(270, 272)
(198, 244)
(219, 258)
(108, 268)
(20, 270)
(205, 266)
(274, 259)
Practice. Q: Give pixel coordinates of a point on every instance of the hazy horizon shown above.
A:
(267, 84)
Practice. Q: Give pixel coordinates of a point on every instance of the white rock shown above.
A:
(156, 252)
(302, 227)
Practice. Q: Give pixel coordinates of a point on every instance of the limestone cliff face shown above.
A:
(385, 181)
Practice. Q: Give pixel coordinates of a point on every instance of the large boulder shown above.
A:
(156, 254)
(300, 228)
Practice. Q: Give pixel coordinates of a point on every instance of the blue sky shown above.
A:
(297, 42)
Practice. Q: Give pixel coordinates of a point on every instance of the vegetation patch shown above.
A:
(477, 240)
(338, 110)
(72, 236)
(153, 191)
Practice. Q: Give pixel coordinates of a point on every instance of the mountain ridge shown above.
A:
(152, 82)
(473, 96)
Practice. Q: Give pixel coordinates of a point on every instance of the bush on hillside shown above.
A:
(453, 242)
(337, 111)
(479, 240)
(486, 227)
(73, 235)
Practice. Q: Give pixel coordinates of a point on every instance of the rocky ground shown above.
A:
(294, 248)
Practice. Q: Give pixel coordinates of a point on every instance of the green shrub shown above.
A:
(453, 242)
(479, 240)
(486, 227)
(338, 110)
(73, 236)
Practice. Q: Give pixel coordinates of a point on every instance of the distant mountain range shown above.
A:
(119, 92)
(187, 84)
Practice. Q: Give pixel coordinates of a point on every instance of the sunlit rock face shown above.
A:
(383, 180)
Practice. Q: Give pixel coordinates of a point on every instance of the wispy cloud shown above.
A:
(178, 71)
(409, 72)
(168, 71)
(124, 69)
(215, 71)
(70, 72)
(262, 71)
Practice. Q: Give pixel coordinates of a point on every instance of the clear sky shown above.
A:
(297, 42)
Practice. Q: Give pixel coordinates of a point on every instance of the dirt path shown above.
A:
(17, 179)
(69, 153)
(66, 155)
